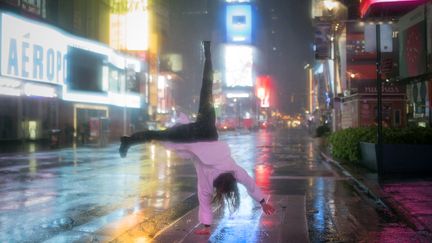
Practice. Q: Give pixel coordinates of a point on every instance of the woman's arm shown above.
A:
(253, 190)
(243, 178)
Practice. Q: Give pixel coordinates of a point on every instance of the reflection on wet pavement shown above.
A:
(90, 194)
(46, 193)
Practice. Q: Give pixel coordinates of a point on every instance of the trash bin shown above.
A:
(55, 137)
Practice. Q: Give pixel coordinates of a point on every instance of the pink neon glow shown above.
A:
(366, 4)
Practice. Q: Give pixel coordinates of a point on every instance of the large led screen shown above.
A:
(239, 23)
(238, 66)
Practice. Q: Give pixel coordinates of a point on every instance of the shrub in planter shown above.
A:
(345, 144)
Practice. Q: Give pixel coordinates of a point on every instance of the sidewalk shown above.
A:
(410, 199)
(287, 224)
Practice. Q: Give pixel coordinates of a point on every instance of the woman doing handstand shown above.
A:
(217, 172)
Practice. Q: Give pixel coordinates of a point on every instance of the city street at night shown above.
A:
(222, 121)
(86, 194)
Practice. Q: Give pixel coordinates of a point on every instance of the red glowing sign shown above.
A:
(263, 89)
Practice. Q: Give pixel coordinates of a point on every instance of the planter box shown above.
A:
(403, 159)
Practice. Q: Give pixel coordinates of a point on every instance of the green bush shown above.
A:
(345, 144)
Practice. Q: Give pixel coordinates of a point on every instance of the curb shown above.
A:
(380, 199)
(357, 182)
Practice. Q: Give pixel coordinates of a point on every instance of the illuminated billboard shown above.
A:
(239, 23)
(129, 27)
(238, 66)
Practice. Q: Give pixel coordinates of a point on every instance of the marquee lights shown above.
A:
(30, 89)
(127, 100)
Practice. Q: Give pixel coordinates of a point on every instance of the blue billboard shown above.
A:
(239, 23)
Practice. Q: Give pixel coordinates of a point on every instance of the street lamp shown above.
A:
(310, 88)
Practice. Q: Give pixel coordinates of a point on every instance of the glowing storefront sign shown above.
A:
(10, 87)
(30, 89)
(32, 51)
(238, 66)
(162, 85)
(127, 100)
(239, 23)
(237, 95)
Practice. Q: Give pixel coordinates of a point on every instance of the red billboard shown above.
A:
(263, 90)
(412, 42)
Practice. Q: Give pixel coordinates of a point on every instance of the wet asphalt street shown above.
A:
(86, 194)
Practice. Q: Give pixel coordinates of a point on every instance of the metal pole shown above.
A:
(379, 101)
(125, 100)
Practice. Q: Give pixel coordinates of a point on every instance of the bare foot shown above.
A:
(124, 146)
(203, 231)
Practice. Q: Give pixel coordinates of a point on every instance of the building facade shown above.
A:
(54, 81)
(351, 43)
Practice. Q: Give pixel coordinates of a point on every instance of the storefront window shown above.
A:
(114, 80)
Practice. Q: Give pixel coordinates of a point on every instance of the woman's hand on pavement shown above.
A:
(267, 208)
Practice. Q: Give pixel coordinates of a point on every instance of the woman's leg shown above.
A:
(206, 118)
(185, 133)
(204, 129)
(206, 107)
(179, 133)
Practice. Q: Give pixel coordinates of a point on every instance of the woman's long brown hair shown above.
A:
(227, 191)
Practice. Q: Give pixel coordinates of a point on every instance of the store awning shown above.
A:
(387, 8)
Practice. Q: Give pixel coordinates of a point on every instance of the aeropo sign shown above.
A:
(32, 51)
